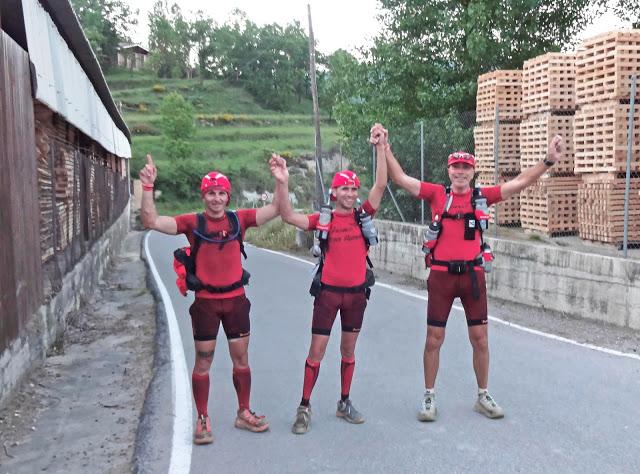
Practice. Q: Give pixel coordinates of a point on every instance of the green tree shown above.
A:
(169, 40)
(105, 23)
(426, 63)
(178, 126)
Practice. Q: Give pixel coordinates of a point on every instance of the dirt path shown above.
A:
(79, 411)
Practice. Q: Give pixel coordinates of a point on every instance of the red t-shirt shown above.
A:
(215, 266)
(451, 243)
(345, 259)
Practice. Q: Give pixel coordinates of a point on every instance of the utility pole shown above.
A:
(316, 114)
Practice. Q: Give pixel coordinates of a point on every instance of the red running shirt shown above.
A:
(451, 244)
(345, 260)
(215, 266)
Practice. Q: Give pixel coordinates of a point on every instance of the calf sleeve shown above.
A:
(347, 367)
(200, 387)
(242, 383)
(311, 371)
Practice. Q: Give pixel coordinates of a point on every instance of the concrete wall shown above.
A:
(579, 284)
(47, 325)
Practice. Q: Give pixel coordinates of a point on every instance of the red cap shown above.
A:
(345, 178)
(461, 157)
(215, 180)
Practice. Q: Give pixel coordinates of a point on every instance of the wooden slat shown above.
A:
(550, 205)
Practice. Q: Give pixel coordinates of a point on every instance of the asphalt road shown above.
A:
(568, 408)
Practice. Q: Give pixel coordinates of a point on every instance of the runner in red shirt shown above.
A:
(343, 282)
(456, 270)
(219, 269)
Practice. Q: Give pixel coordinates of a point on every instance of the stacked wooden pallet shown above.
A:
(601, 207)
(502, 89)
(549, 103)
(604, 66)
(550, 206)
(499, 99)
(508, 212)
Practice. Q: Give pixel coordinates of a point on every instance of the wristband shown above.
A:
(147, 187)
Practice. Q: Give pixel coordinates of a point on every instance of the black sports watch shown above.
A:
(548, 162)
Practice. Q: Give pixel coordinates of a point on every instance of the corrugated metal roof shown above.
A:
(64, 86)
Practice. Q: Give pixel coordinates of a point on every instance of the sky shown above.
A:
(337, 24)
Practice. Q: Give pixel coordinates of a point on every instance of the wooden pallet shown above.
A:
(600, 138)
(604, 65)
(548, 83)
(509, 210)
(535, 134)
(508, 148)
(550, 205)
(601, 208)
(501, 88)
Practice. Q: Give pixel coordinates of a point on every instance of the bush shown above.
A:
(177, 126)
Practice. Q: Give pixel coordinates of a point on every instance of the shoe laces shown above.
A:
(251, 417)
(203, 422)
(428, 400)
(488, 399)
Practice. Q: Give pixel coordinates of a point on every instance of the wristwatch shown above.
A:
(548, 162)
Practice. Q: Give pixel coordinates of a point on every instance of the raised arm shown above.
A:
(280, 172)
(148, 214)
(531, 175)
(377, 191)
(396, 173)
(266, 213)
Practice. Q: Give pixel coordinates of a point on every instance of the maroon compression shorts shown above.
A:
(444, 287)
(206, 315)
(326, 306)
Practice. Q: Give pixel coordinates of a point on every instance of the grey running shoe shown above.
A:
(347, 411)
(488, 406)
(428, 410)
(303, 420)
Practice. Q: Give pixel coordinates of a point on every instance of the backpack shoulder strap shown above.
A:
(234, 220)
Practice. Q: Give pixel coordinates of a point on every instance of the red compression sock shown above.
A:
(347, 367)
(311, 371)
(200, 387)
(242, 383)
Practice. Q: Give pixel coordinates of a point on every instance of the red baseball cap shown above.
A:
(215, 180)
(461, 157)
(345, 178)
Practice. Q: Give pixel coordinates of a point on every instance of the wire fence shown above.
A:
(591, 197)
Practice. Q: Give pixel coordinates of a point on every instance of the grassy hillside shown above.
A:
(234, 134)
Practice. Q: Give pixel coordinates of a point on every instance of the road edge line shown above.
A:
(491, 318)
(181, 445)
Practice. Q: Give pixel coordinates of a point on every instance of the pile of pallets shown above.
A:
(550, 205)
(548, 84)
(604, 66)
(549, 103)
(508, 148)
(499, 99)
(600, 137)
(501, 89)
(601, 207)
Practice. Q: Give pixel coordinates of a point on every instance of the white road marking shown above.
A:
(180, 461)
(491, 318)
